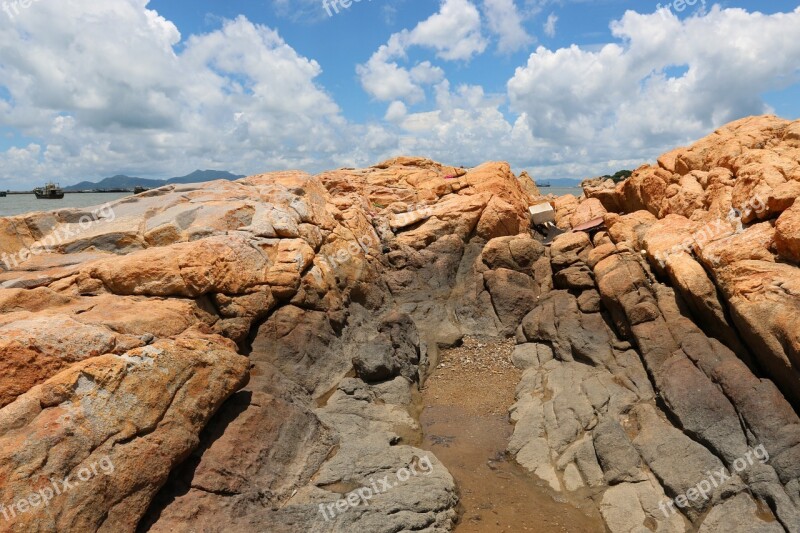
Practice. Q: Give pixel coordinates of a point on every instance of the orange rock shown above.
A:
(783, 196)
(787, 233)
(604, 190)
(755, 157)
(528, 185)
(646, 189)
(113, 427)
(565, 206)
(587, 210)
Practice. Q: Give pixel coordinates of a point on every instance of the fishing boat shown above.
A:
(51, 191)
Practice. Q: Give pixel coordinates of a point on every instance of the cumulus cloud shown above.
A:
(385, 80)
(106, 90)
(465, 127)
(153, 102)
(665, 83)
(580, 112)
(396, 111)
(505, 20)
(454, 33)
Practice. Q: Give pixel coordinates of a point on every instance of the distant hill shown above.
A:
(559, 182)
(199, 176)
(128, 182)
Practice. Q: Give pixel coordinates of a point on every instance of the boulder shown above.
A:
(109, 430)
(787, 234)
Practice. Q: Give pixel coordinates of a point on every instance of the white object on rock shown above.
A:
(542, 213)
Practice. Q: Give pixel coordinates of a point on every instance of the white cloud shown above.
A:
(550, 25)
(106, 91)
(627, 102)
(396, 111)
(151, 102)
(454, 32)
(427, 74)
(505, 20)
(385, 80)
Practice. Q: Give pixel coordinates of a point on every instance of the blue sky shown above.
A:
(561, 88)
(339, 42)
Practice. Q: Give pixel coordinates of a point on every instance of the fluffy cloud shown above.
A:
(114, 87)
(505, 20)
(107, 91)
(385, 80)
(667, 82)
(454, 33)
(580, 112)
(465, 127)
(550, 25)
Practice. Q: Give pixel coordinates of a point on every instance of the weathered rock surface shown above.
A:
(727, 238)
(315, 279)
(245, 354)
(113, 427)
(634, 400)
(787, 234)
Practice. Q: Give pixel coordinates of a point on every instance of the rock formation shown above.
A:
(232, 356)
(726, 236)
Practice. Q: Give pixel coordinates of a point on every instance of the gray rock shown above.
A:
(531, 355)
(589, 301)
(513, 295)
(615, 452)
(394, 351)
(576, 277)
(582, 454)
(679, 462)
(738, 514)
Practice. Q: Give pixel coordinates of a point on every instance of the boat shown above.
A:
(544, 184)
(2, 194)
(51, 191)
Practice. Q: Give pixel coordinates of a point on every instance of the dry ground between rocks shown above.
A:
(465, 423)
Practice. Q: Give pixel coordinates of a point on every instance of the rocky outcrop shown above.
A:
(330, 294)
(721, 226)
(787, 234)
(88, 449)
(241, 355)
(528, 184)
(696, 274)
(625, 395)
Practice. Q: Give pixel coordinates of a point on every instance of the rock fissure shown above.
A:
(626, 380)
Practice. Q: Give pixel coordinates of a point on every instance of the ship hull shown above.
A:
(50, 196)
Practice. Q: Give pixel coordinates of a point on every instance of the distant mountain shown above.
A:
(128, 182)
(115, 182)
(560, 182)
(200, 176)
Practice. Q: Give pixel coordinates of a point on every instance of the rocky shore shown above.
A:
(248, 355)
